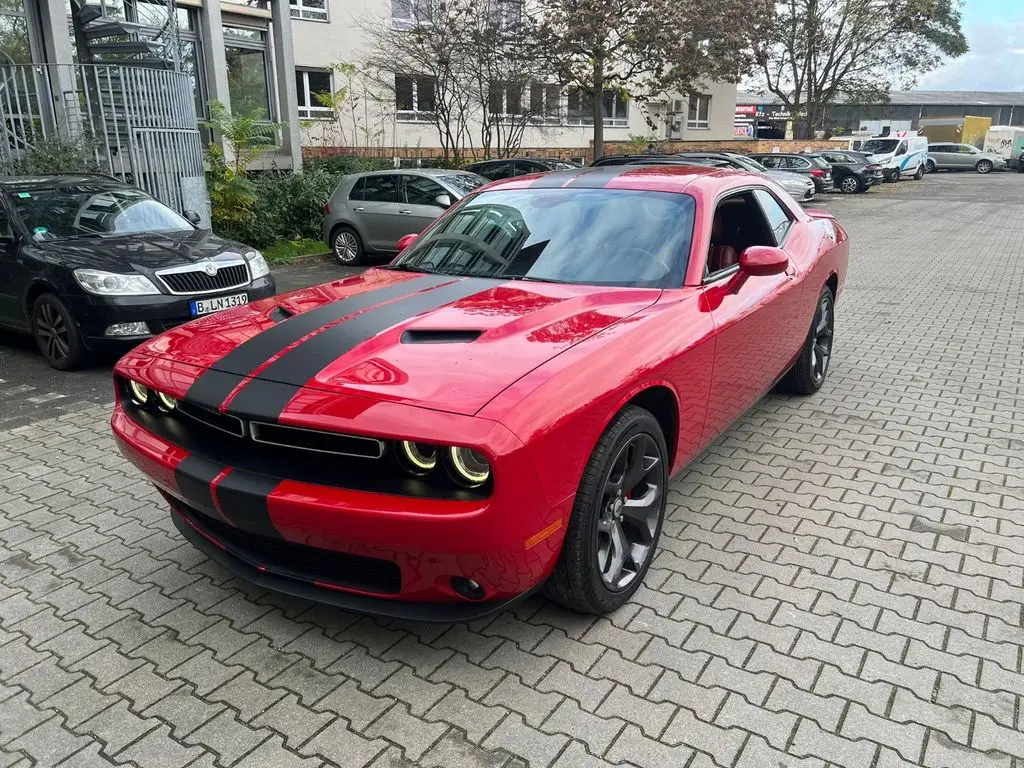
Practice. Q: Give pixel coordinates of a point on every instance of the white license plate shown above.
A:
(206, 306)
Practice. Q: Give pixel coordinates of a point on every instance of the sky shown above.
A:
(995, 33)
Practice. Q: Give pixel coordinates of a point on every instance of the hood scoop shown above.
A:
(440, 336)
(279, 314)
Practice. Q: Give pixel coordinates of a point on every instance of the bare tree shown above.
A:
(433, 84)
(823, 49)
(641, 49)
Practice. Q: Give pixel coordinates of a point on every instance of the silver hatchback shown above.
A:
(369, 212)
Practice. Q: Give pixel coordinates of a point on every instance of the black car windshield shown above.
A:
(464, 183)
(55, 213)
(594, 236)
(879, 146)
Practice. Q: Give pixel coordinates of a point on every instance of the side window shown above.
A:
(739, 222)
(902, 148)
(420, 190)
(358, 190)
(799, 163)
(967, 149)
(778, 219)
(381, 189)
(770, 161)
(523, 167)
(499, 171)
(6, 230)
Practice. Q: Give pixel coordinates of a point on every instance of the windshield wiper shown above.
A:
(411, 268)
(532, 279)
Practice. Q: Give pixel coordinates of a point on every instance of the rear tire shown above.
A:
(609, 517)
(809, 372)
(347, 247)
(984, 166)
(850, 185)
(919, 173)
(56, 333)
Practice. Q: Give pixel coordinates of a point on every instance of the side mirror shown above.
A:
(192, 217)
(406, 240)
(445, 201)
(763, 260)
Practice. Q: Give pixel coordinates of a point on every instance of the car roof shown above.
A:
(45, 180)
(668, 177)
(413, 171)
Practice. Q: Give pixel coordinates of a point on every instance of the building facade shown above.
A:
(330, 45)
(132, 79)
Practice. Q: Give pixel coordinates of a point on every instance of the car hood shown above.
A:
(141, 252)
(439, 342)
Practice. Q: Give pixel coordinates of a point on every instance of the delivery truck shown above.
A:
(955, 130)
(1007, 141)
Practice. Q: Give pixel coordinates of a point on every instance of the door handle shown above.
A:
(407, 212)
(359, 209)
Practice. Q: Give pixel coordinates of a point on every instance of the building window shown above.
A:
(248, 83)
(505, 98)
(308, 85)
(309, 10)
(699, 113)
(506, 14)
(410, 13)
(581, 111)
(414, 97)
(545, 102)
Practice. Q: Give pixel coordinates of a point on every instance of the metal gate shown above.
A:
(171, 167)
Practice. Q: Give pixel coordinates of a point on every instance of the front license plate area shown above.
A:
(207, 306)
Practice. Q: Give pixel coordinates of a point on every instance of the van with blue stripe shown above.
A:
(900, 155)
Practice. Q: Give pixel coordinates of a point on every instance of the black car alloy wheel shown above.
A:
(56, 333)
(629, 512)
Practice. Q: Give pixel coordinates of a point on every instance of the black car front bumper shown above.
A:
(94, 314)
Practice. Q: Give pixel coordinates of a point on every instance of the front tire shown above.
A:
(895, 175)
(984, 166)
(929, 167)
(347, 247)
(809, 372)
(616, 520)
(56, 333)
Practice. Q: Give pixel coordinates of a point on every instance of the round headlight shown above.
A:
(417, 458)
(166, 402)
(138, 393)
(468, 468)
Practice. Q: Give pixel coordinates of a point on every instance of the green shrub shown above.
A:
(57, 154)
(345, 164)
(290, 205)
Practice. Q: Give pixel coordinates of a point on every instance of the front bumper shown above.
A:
(381, 553)
(95, 314)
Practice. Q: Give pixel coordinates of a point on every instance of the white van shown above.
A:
(901, 154)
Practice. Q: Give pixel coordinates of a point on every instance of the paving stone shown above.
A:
(227, 738)
(596, 732)
(339, 745)
(414, 735)
(298, 723)
(652, 718)
(517, 738)
(183, 710)
(419, 694)
(247, 696)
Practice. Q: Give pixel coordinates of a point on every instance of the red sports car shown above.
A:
(502, 406)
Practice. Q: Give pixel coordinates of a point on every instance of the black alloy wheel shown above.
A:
(56, 333)
(850, 185)
(617, 517)
(808, 373)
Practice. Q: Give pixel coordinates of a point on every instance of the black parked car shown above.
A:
(493, 170)
(813, 166)
(88, 263)
(851, 171)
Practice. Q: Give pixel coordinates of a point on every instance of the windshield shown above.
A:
(879, 146)
(93, 209)
(464, 183)
(595, 236)
(748, 163)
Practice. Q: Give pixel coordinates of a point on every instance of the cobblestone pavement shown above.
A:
(840, 580)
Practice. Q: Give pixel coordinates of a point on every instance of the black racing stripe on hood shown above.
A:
(214, 385)
(267, 395)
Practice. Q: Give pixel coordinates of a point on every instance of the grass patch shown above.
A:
(290, 251)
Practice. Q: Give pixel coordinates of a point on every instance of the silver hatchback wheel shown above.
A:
(347, 249)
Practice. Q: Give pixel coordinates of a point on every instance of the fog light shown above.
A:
(467, 588)
(138, 393)
(127, 329)
(167, 403)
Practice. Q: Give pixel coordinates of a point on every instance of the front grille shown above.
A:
(299, 561)
(314, 440)
(198, 281)
(225, 423)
